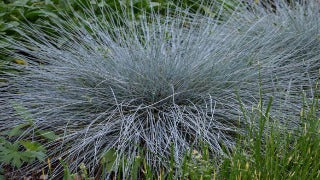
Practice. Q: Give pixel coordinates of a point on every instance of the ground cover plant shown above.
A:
(161, 85)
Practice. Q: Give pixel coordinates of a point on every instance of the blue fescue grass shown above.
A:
(262, 153)
(161, 83)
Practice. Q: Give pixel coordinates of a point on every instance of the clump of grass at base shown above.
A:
(273, 155)
(160, 81)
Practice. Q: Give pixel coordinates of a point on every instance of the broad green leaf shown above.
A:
(34, 150)
(38, 155)
(10, 154)
(109, 159)
(16, 131)
(22, 112)
(50, 135)
(32, 146)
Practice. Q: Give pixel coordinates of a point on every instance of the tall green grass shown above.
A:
(271, 153)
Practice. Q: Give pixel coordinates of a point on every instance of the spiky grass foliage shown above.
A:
(160, 83)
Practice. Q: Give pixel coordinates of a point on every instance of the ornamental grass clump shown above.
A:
(162, 84)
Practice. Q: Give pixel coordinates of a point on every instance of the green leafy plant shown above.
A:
(17, 153)
(15, 150)
(14, 14)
